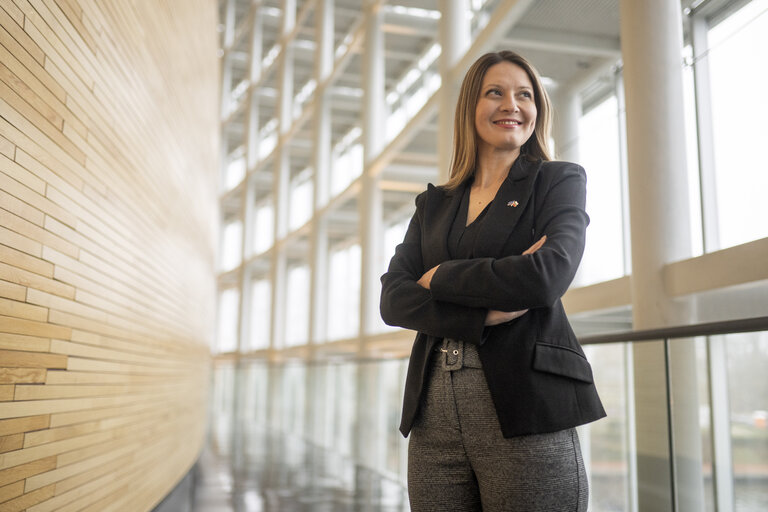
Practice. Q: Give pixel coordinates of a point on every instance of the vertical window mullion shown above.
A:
(703, 102)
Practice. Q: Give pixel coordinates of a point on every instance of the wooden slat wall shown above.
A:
(108, 211)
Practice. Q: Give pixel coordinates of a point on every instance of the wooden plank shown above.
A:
(57, 434)
(23, 310)
(25, 455)
(58, 474)
(25, 424)
(12, 442)
(17, 473)
(17, 40)
(11, 238)
(13, 85)
(76, 349)
(51, 301)
(34, 75)
(7, 148)
(34, 198)
(13, 11)
(27, 500)
(23, 342)
(10, 169)
(12, 290)
(38, 407)
(74, 15)
(24, 261)
(72, 377)
(52, 45)
(35, 392)
(28, 327)
(32, 280)
(32, 359)
(38, 234)
(6, 392)
(22, 376)
(20, 208)
(82, 416)
(10, 491)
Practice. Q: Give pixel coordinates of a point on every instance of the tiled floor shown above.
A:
(271, 473)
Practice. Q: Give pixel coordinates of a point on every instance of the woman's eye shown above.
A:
(495, 92)
(526, 94)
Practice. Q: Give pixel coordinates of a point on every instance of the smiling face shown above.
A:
(505, 116)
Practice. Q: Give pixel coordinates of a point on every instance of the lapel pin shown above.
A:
(513, 204)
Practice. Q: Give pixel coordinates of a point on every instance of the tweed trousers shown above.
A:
(458, 459)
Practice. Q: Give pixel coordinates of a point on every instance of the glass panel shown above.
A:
(599, 153)
(292, 400)
(297, 314)
(263, 228)
(412, 91)
(231, 245)
(692, 426)
(739, 110)
(747, 356)
(222, 410)
(229, 302)
(300, 204)
(344, 293)
(261, 314)
(604, 443)
(235, 171)
(346, 166)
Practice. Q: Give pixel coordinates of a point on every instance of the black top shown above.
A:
(461, 238)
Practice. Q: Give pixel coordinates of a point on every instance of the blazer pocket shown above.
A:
(562, 361)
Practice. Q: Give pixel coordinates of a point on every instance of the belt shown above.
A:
(456, 354)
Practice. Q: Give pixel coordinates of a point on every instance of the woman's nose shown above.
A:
(509, 105)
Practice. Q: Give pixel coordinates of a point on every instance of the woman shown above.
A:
(497, 380)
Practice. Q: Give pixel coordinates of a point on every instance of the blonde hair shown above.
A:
(464, 157)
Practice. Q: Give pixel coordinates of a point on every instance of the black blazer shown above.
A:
(538, 376)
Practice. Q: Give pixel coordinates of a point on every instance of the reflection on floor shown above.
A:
(274, 473)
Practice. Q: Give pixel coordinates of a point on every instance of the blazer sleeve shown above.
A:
(407, 304)
(519, 282)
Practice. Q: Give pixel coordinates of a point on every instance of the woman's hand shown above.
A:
(425, 280)
(499, 317)
(536, 246)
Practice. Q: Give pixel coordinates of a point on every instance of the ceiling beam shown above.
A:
(558, 41)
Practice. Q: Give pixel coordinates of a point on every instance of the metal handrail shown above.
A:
(681, 331)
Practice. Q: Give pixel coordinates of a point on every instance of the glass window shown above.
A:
(231, 245)
(297, 315)
(261, 314)
(599, 154)
(263, 227)
(300, 203)
(229, 302)
(344, 292)
(235, 170)
(346, 166)
(739, 79)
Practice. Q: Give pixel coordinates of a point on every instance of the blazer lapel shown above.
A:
(439, 211)
(507, 207)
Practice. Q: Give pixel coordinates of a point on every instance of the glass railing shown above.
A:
(341, 418)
